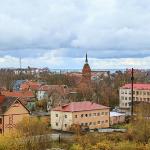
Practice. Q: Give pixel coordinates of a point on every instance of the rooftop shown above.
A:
(140, 86)
(80, 106)
(27, 94)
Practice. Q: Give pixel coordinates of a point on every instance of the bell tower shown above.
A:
(86, 71)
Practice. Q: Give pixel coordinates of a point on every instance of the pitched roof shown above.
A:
(80, 106)
(7, 102)
(30, 84)
(27, 94)
(139, 86)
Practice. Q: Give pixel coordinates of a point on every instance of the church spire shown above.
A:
(86, 60)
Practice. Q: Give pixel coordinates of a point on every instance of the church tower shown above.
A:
(86, 71)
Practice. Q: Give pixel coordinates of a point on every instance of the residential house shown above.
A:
(86, 114)
(12, 111)
(46, 90)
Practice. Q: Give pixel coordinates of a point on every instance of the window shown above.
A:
(76, 116)
(148, 93)
(65, 125)
(0, 120)
(98, 114)
(94, 123)
(56, 124)
(122, 92)
(125, 98)
(81, 115)
(90, 123)
(129, 98)
(86, 115)
(90, 115)
(106, 121)
(125, 104)
(102, 113)
(122, 98)
(65, 116)
(98, 122)
(94, 114)
(86, 124)
(144, 93)
(106, 113)
(82, 124)
(56, 115)
(102, 122)
(137, 92)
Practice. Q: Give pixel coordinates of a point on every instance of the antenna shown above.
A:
(20, 63)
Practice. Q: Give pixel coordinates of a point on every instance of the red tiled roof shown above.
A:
(26, 94)
(30, 84)
(80, 106)
(137, 86)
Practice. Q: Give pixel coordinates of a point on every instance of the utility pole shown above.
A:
(132, 81)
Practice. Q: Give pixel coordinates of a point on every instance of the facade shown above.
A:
(116, 118)
(141, 93)
(12, 111)
(86, 114)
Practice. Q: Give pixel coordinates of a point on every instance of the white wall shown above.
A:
(61, 122)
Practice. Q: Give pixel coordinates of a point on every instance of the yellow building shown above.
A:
(86, 114)
(12, 111)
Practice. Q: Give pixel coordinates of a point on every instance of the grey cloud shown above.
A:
(102, 26)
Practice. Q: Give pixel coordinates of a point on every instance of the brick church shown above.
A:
(86, 72)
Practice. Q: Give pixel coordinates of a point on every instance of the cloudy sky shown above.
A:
(58, 33)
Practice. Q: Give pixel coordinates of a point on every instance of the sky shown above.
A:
(58, 33)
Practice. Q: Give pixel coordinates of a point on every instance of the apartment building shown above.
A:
(141, 93)
(86, 114)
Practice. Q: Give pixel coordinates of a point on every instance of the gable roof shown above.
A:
(139, 86)
(80, 106)
(8, 102)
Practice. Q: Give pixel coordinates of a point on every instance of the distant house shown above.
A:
(16, 84)
(30, 86)
(86, 114)
(12, 112)
(116, 118)
(45, 91)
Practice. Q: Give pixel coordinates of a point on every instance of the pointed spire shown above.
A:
(86, 60)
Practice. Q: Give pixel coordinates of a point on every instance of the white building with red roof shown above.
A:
(141, 93)
(86, 114)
